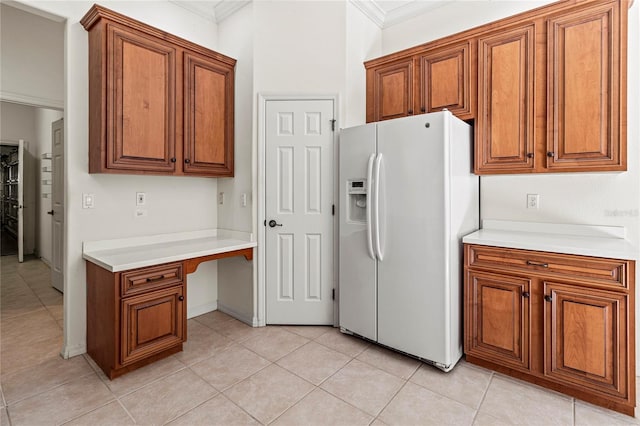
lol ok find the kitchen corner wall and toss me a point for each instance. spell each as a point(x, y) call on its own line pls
point(174, 204)
point(284, 48)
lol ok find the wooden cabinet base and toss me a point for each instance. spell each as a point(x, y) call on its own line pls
point(622, 406)
point(113, 373)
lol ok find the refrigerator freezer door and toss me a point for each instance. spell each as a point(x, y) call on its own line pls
point(357, 292)
point(413, 277)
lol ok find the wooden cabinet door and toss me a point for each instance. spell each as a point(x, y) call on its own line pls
point(445, 80)
point(208, 116)
point(505, 126)
point(497, 318)
point(585, 337)
point(586, 94)
point(390, 90)
point(151, 323)
point(140, 125)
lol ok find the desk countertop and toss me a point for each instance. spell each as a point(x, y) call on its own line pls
point(138, 252)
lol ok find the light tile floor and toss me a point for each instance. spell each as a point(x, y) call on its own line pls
point(231, 374)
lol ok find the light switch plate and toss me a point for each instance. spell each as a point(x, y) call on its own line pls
point(88, 200)
point(141, 198)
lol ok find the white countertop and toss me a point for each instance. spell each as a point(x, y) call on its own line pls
point(138, 252)
point(586, 240)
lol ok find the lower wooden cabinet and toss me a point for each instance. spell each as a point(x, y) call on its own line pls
point(498, 307)
point(135, 317)
point(544, 318)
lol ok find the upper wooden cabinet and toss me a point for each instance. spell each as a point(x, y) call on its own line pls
point(390, 88)
point(505, 127)
point(547, 88)
point(444, 80)
point(158, 104)
point(586, 63)
point(427, 81)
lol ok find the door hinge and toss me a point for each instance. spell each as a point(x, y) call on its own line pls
point(333, 125)
point(333, 209)
point(333, 294)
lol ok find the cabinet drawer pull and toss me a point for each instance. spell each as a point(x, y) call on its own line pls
point(530, 155)
point(181, 298)
point(173, 159)
point(525, 294)
point(550, 154)
point(544, 265)
point(548, 298)
point(151, 279)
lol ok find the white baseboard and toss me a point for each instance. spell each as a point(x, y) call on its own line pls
point(74, 350)
point(202, 309)
point(247, 319)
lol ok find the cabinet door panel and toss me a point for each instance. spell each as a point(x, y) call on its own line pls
point(584, 98)
point(505, 125)
point(151, 323)
point(392, 90)
point(497, 318)
point(585, 337)
point(141, 126)
point(208, 121)
point(445, 80)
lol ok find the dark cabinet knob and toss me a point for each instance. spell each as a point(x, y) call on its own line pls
point(548, 298)
point(525, 294)
point(410, 111)
point(530, 155)
point(173, 159)
point(186, 160)
point(423, 109)
point(550, 154)
point(181, 298)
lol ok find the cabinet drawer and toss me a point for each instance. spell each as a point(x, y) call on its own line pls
point(141, 280)
point(607, 272)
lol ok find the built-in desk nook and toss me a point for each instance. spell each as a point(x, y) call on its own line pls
point(136, 293)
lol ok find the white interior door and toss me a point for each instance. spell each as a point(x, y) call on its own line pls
point(299, 179)
point(20, 200)
point(57, 203)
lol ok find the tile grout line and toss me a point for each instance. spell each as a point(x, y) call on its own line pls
point(484, 395)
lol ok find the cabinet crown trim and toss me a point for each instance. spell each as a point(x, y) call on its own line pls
point(97, 12)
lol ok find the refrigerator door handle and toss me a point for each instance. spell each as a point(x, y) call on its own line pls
point(376, 208)
point(370, 206)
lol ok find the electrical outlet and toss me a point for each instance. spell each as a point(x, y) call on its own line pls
point(141, 198)
point(533, 201)
point(221, 198)
point(243, 200)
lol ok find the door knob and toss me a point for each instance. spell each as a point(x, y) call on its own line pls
point(50, 212)
point(273, 223)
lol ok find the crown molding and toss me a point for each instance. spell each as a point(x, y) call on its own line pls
point(215, 10)
point(226, 8)
point(411, 8)
point(371, 10)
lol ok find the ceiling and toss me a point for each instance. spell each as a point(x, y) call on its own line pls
point(383, 13)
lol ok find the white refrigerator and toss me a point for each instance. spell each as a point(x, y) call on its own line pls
point(407, 197)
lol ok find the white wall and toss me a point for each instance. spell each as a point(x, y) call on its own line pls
point(43, 119)
point(364, 41)
point(18, 122)
point(32, 66)
point(235, 275)
point(174, 204)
